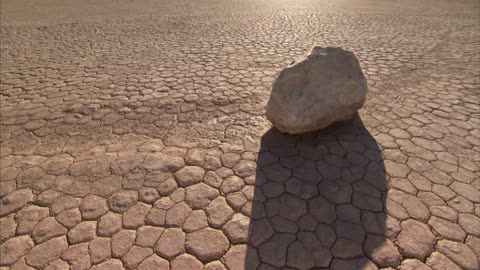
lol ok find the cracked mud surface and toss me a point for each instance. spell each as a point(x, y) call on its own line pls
point(133, 136)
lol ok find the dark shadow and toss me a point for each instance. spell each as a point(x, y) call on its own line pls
point(319, 200)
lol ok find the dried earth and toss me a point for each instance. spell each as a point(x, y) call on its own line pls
point(133, 136)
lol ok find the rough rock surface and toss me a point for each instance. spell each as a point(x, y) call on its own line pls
point(325, 87)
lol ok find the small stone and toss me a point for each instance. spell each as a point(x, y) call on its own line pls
point(122, 200)
point(216, 265)
point(415, 240)
point(218, 212)
point(334, 95)
point(213, 179)
point(199, 196)
point(154, 263)
point(382, 251)
point(459, 253)
point(122, 242)
point(147, 236)
point(83, 232)
point(196, 221)
point(135, 256)
point(77, 256)
point(107, 186)
point(466, 190)
point(177, 215)
point(207, 244)
point(109, 224)
point(28, 218)
point(470, 223)
point(186, 261)
point(15, 200)
point(47, 252)
point(413, 264)
point(163, 162)
point(178, 195)
point(148, 195)
point(167, 187)
point(47, 229)
point(232, 184)
point(171, 243)
point(237, 229)
point(446, 229)
point(134, 217)
point(189, 175)
point(439, 261)
point(230, 159)
point(112, 264)
point(156, 217)
point(238, 257)
point(14, 248)
point(57, 265)
point(64, 202)
point(99, 250)
point(7, 228)
point(69, 218)
point(236, 200)
point(93, 207)
point(245, 168)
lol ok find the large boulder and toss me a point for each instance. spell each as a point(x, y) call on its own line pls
point(325, 87)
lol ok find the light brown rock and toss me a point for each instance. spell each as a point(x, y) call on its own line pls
point(82, 232)
point(69, 218)
point(199, 196)
point(459, 253)
point(109, 224)
point(122, 200)
point(28, 218)
point(7, 228)
point(15, 200)
point(196, 221)
point(238, 257)
point(186, 261)
point(47, 252)
point(135, 256)
point(415, 240)
point(325, 87)
point(237, 229)
point(93, 207)
point(171, 243)
point(14, 248)
point(207, 244)
point(147, 236)
point(112, 264)
point(99, 250)
point(135, 216)
point(189, 175)
point(177, 215)
point(77, 256)
point(382, 251)
point(47, 229)
point(218, 212)
point(154, 263)
point(122, 242)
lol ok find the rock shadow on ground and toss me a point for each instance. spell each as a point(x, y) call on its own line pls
point(319, 202)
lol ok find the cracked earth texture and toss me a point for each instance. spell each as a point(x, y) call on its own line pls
point(133, 136)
